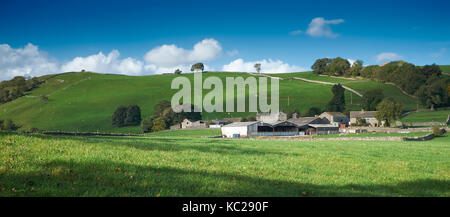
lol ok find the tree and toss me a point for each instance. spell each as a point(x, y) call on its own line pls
point(133, 116)
point(159, 108)
point(258, 67)
point(118, 118)
point(147, 124)
point(370, 71)
point(433, 93)
point(197, 67)
point(158, 124)
point(356, 68)
point(178, 71)
point(320, 65)
point(371, 98)
point(338, 66)
point(313, 111)
point(429, 70)
point(388, 111)
point(337, 103)
point(9, 125)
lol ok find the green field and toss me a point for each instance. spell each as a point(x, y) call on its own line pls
point(426, 116)
point(187, 163)
point(84, 101)
point(445, 68)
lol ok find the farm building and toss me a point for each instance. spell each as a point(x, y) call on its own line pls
point(240, 129)
point(291, 127)
point(190, 124)
point(218, 123)
point(271, 117)
point(280, 128)
point(336, 118)
point(321, 129)
point(367, 116)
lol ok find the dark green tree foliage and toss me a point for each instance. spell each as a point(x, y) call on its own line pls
point(133, 116)
point(429, 70)
point(160, 107)
point(320, 66)
point(338, 66)
point(388, 111)
point(147, 124)
point(313, 111)
point(337, 103)
point(16, 87)
point(371, 99)
point(197, 67)
point(434, 92)
point(356, 68)
point(118, 118)
point(370, 71)
point(177, 71)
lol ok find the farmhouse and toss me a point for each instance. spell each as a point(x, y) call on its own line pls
point(271, 117)
point(240, 129)
point(367, 116)
point(190, 124)
point(335, 118)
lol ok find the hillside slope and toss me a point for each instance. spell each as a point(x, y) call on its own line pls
point(84, 101)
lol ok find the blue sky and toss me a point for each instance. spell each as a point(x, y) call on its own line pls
point(293, 33)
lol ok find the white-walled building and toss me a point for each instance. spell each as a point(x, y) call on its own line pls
point(240, 129)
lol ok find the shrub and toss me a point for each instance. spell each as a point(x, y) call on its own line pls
point(251, 118)
point(158, 124)
point(147, 124)
point(118, 118)
point(133, 116)
point(9, 125)
point(437, 131)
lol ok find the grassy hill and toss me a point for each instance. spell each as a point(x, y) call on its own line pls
point(84, 101)
point(426, 116)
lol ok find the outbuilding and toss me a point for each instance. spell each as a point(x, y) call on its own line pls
point(240, 129)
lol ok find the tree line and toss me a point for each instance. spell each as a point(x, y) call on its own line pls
point(16, 87)
point(426, 83)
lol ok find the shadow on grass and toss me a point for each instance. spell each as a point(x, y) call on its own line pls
point(65, 178)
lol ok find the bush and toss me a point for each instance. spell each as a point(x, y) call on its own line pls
point(251, 118)
point(147, 124)
point(158, 124)
point(437, 131)
point(8, 125)
point(118, 118)
point(133, 116)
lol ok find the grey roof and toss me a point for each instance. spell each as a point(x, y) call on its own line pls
point(362, 114)
point(337, 114)
point(303, 121)
point(323, 125)
point(241, 124)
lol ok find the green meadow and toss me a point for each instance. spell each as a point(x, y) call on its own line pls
point(426, 116)
point(188, 163)
point(84, 101)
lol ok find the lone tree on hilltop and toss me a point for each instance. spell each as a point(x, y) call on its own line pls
point(197, 67)
point(258, 67)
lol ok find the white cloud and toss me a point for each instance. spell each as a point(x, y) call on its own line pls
point(296, 32)
point(388, 56)
point(105, 64)
point(26, 61)
point(233, 53)
point(171, 55)
point(319, 27)
point(267, 66)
